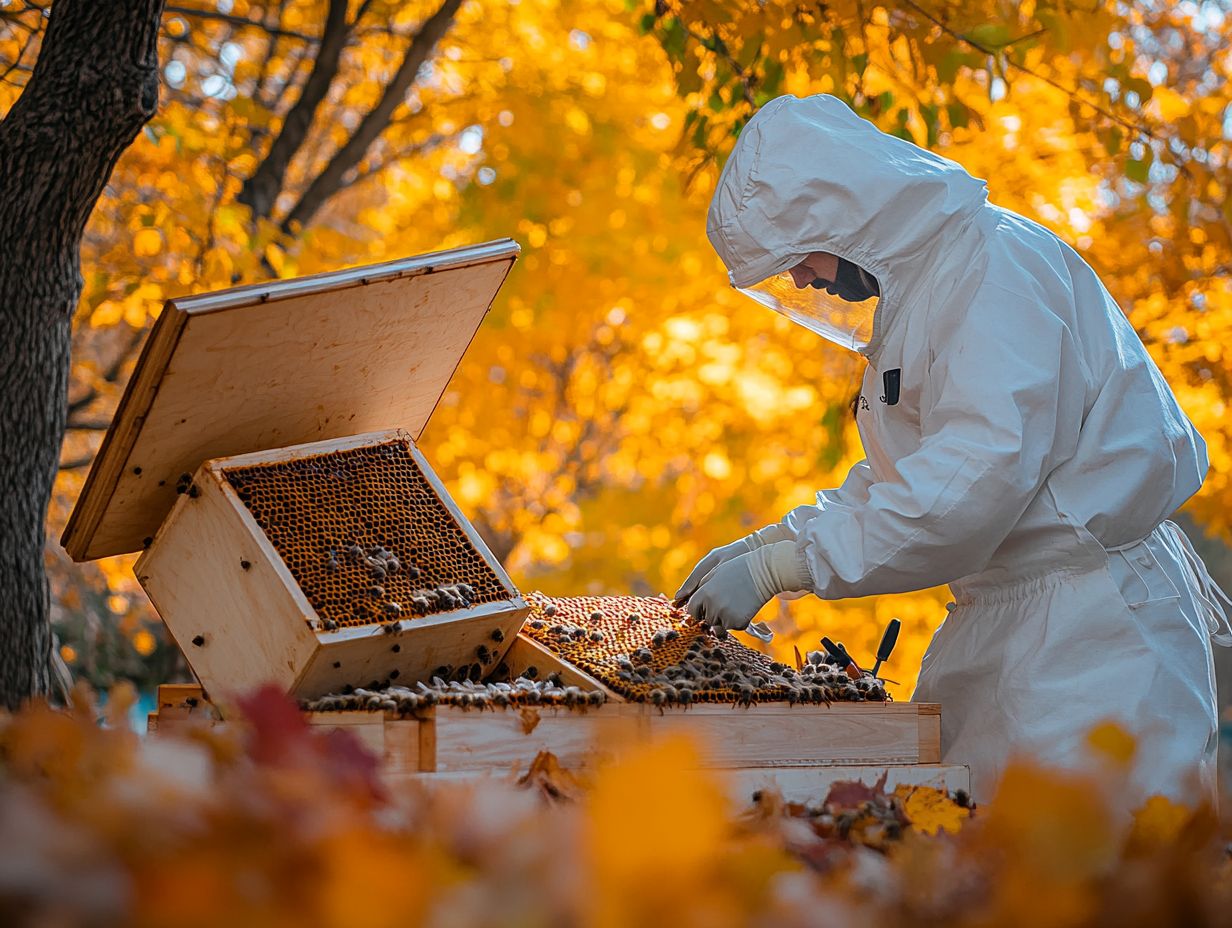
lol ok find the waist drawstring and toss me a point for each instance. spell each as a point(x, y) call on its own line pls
point(1207, 591)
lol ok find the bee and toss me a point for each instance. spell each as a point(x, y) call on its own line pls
point(596, 636)
point(530, 672)
point(497, 635)
point(392, 609)
point(642, 655)
point(330, 625)
point(596, 616)
point(550, 609)
point(634, 618)
point(658, 697)
point(536, 624)
point(719, 632)
point(355, 553)
point(333, 565)
point(596, 697)
point(376, 591)
point(747, 695)
point(392, 628)
point(816, 658)
point(421, 604)
point(483, 654)
point(684, 695)
point(671, 634)
point(392, 564)
point(660, 638)
point(393, 674)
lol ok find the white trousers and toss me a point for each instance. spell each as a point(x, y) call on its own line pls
point(1029, 667)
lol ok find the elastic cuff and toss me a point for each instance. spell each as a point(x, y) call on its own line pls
point(787, 567)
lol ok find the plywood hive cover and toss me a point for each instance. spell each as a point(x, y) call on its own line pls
point(279, 364)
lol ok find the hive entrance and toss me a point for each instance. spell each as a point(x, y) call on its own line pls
point(366, 536)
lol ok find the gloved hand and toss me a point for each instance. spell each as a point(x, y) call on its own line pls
point(751, 542)
point(734, 591)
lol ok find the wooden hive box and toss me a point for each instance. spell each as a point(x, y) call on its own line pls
point(264, 457)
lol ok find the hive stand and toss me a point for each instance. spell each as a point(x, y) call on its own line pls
point(799, 751)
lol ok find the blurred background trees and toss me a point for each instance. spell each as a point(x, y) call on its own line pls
point(623, 410)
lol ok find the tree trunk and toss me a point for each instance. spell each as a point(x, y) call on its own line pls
point(94, 86)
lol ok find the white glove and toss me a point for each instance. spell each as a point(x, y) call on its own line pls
point(772, 533)
point(734, 591)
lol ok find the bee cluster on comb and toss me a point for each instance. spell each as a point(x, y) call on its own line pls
point(406, 700)
point(366, 536)
point(648, 650)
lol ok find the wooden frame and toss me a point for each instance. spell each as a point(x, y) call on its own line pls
point(771, 735)
point(243, 625)
point(279, 364)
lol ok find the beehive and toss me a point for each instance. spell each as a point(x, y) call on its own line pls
point(263, 457)
point(327, 565)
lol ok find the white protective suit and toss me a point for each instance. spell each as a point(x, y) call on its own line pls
point(1031, 460)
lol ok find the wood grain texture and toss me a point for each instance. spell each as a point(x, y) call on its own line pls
point(250, 623)
point(276, 365)
point(768, 735)
point(526, 653)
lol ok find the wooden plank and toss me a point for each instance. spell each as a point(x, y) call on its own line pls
point(401, 746)
point(802, 784)
point(368, 727)
point(526, 652)
point(795, 784)
point(472, 740)
point(238, 627)
point(427, 742)
point(775, 734)
point(768, 735)
point(276, 365)
point(930, 732)
point(178, 694)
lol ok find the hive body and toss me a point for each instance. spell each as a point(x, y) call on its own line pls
point(324, 566)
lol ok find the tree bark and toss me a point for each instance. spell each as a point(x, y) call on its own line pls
point(94, 85)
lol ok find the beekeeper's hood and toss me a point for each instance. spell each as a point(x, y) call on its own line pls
point(810, 175)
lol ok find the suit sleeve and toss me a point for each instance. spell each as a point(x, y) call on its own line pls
point(853, 493)
point(1001, 408)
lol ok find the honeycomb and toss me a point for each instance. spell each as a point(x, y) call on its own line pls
point(648, 650)
point(404, 700)
point(366, 536)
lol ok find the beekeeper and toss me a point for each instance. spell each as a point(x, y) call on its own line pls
point(1021, 446)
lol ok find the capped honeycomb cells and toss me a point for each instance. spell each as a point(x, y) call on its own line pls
point(366, 536)
point(647, 650)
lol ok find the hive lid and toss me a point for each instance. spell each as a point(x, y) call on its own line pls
point(276, 364)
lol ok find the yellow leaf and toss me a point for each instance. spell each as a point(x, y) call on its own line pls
point(147, 242)
point(931, 810)
point(108, 312)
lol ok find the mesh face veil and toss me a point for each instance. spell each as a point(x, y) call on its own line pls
point(849, 324)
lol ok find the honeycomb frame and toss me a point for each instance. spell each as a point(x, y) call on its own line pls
point(240, 614)
point(646, 649)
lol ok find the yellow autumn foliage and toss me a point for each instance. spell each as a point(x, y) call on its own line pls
point(622, 410)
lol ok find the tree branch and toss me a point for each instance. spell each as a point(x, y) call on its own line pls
point(261, 190)
point(242, 22)
point(348, 157)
